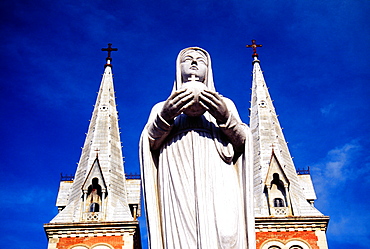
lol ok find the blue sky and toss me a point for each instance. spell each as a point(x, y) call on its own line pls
point(315, 58)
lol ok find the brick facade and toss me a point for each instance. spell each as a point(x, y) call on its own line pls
point(308, 237)
point(115, 242)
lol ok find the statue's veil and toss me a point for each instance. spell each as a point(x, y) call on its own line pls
point(149, 162)
point(208, 81)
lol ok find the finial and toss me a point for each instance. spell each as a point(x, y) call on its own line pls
point(254, 46)
point(109, 49)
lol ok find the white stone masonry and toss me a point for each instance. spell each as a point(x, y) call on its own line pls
point(268, 136)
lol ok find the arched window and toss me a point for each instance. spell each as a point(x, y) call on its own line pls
point(273, 244)
point(95, 187)
point(278, 202)
point(274, 247)
point(94, 207)
point(297, 244)
point(94, 195)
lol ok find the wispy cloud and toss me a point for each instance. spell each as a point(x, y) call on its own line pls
point(20, 194)
point(327, 109)
point(332, 174)
point(338, 228)
point(338, 166)
point(336, 180)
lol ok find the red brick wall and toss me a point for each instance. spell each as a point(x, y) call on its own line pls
point(115, 241)
point(308, 236)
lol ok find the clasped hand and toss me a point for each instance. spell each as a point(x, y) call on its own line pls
point(182, 99)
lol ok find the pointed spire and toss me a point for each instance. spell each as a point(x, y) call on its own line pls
point(266, 131)
point(103, 146)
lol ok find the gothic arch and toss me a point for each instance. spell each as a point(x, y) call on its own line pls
point(277, 189)
point(297, 244)
point(95, 186)
point(277, 192)
point(94, 196)
point(273, 244)
point(94, 207)
point(290, 244)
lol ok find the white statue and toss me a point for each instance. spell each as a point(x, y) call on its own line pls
point(196, 161)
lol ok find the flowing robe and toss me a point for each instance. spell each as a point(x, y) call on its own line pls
point(198, 180)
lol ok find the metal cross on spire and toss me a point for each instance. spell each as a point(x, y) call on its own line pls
point(254, 46)
point(109, 49)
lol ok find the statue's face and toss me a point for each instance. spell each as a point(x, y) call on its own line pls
point(193, 62)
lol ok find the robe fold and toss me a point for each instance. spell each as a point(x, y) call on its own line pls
point(196, 182)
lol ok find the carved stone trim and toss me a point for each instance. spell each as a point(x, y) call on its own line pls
point(66, 230)
point(289, 224)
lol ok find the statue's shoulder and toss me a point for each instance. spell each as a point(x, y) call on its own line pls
point(228, 102)
point(155, 110)
point(157, 107)
point(232, 107)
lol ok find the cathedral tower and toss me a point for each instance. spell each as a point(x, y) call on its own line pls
point(98, 207)
point(285, 216)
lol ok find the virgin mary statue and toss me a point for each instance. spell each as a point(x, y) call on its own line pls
point(196, 163)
